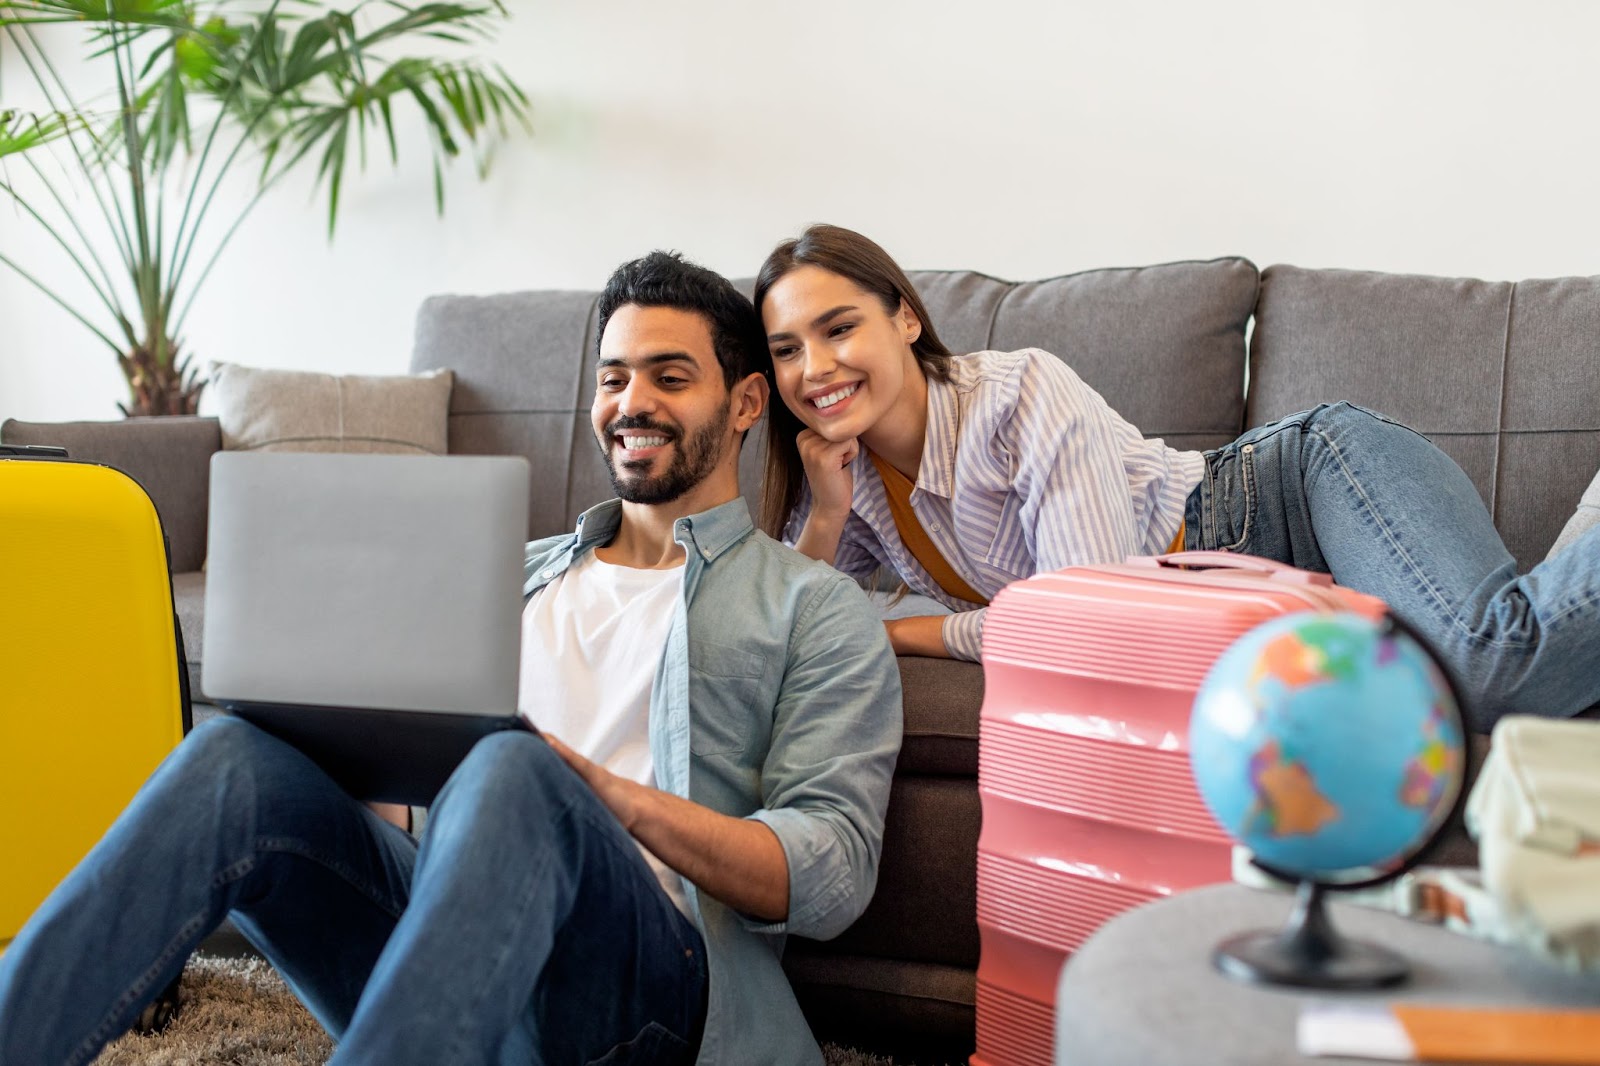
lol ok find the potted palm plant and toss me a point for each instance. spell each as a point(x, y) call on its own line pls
point(198, 90)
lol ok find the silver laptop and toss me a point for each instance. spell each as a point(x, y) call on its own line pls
point(366, 608)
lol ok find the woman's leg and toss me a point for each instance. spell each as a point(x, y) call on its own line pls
point(232, 820)
point(1342, 490)
point(536, 932)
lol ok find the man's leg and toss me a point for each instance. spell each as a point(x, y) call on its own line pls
point(1342, 490)
point(232, 819)
point(536, 932)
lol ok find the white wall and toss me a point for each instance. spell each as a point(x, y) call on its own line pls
point(1018, 137)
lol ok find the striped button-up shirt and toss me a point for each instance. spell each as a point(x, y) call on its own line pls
point(1024, 469)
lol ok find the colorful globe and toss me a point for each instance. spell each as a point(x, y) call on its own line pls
point(1328, 744)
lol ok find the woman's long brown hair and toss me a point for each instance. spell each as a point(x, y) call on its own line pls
point(848, 254)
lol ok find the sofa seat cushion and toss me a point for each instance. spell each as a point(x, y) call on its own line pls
point(887, 1006)
point(942, 700)
point(925, 905)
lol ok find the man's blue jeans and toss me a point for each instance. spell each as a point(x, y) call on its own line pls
point(1342, 490)
point(526, 928)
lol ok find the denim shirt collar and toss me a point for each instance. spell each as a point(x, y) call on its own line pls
point(707, 535)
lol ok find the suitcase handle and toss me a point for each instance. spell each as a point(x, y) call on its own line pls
point(1252, 564)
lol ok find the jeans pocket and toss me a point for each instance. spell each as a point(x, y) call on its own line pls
point(1232, 480)
point(654, 1045)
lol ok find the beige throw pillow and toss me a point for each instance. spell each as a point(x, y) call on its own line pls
point(304, 411)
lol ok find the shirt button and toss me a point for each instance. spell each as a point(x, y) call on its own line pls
point(548, 574)
point(934, 526)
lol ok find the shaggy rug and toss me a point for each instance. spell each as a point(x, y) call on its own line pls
point(239, 1012)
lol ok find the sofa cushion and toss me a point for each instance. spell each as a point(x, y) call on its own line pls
point(169, 456)
point(306, 411)
point(523, 364)
point(942, 700)
point(1505, 377)
point(925, 905)
point(1165, 345)
point(848, 998)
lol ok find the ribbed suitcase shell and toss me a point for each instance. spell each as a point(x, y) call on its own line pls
point(91, 694)
point(1089, 807)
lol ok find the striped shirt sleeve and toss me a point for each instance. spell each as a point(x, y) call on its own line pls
point(853, 556)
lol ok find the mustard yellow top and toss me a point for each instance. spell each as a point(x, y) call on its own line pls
point(898, 488)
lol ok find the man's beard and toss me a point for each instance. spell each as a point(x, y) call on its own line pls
point(692, 459)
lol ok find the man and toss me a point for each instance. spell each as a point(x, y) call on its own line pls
point(733, 716)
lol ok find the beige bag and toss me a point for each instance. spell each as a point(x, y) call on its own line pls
point(1535, 812)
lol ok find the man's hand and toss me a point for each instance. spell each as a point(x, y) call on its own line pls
point(736, 860)
point(923, 635)
point(618, 793)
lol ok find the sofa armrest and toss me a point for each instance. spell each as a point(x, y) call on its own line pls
point(169, 456)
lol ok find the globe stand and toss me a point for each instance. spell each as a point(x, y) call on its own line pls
point(1309, 953)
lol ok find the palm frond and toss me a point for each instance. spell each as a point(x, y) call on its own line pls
point(287, 80)
point(23, 131)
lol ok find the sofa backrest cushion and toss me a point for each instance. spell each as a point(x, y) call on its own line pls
point(1505, 377)
point(1164, 344)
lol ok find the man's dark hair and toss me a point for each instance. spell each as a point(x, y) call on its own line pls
point(666, 279)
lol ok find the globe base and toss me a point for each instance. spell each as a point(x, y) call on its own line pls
point(1309, 953)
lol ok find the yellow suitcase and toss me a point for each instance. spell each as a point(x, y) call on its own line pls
point(93, 691)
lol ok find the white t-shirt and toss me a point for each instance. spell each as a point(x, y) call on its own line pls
point(591, 642)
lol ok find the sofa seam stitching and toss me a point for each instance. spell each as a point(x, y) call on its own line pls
point(994, 315)
point(1500, 412)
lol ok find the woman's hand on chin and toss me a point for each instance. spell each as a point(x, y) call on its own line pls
point(923, 635)
point(828, 472)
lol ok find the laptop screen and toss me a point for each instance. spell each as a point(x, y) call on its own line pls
point(367, 581)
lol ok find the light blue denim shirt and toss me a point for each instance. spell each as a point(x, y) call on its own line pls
point(777, 698)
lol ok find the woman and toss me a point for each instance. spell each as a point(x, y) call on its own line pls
point(965, 473)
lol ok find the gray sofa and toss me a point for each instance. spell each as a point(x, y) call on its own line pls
point(1503, 376)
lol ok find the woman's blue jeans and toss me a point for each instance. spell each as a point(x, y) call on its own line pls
point(1342, 490)
point(526, 928)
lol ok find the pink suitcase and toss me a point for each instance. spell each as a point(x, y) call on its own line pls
point(1083, 760)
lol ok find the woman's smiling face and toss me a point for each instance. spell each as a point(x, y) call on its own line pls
point(840, 361)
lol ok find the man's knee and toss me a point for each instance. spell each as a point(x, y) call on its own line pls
point(1344, 420)
point(222, 739)
point(512, 770)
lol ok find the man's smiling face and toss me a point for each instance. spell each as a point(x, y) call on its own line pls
point(661, 405)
